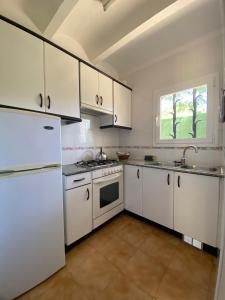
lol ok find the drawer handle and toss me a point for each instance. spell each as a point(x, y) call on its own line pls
point(97, 99)
point(78, 180)
point(88, 194)
point(101, 100)
point(178, 181)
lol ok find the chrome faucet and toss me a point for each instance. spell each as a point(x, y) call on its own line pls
point(183, 158)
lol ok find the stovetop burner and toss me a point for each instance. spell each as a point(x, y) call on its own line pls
point(95, 163)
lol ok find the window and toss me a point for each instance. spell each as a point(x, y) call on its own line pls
point(183, 114)
point(186, 112)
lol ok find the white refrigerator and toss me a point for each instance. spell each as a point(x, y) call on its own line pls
point(31, 201)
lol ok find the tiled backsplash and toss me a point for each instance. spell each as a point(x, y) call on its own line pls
point(205, 156)
point(83, 140)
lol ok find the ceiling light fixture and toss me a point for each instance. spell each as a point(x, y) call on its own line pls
point(106, 4)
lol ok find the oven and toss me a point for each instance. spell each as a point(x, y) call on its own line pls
point(107, 193)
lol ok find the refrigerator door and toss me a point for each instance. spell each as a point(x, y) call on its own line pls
point(28, 140)
point(31, 229)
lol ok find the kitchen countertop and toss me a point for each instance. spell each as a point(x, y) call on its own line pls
point(72, 169)
point(199, 170)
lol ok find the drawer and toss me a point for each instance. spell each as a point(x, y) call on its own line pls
point(74, 181)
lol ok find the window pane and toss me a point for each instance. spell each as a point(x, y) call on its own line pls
point(183, 115)
point(166, 119)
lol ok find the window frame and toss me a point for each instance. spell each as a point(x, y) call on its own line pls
point(212, 81)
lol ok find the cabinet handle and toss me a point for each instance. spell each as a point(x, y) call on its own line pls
point(77, 180)
point(101, 100)
point(88, 194)
point(97, 99)
point(178, 181)
point(41, 97)
point(138, 173)
point(115, 118)
point(168, 179)
point(49, 102)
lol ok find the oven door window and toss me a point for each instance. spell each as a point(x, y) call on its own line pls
point(109, 194)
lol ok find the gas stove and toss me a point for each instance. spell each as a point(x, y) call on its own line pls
point(90, 166)
point(95, 163)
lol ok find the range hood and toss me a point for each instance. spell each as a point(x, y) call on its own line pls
point(94, 111)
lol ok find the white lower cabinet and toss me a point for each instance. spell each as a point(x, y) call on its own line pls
point(196, 203)
point(78, 212)
point(187, 203)
point(133, 189)
point(158, 196)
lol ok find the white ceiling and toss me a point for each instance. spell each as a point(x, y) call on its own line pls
point(96, 29)
point(198, 21)
point(128, 35)
point(35, 14)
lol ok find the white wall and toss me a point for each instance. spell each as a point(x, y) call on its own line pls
point(82, 140)
point(194, 62)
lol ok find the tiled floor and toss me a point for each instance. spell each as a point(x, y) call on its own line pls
point(129, 259)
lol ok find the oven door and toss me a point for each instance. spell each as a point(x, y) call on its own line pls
point(107, 193)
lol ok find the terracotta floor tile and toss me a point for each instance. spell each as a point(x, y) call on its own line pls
point(193, 264)
point(135, 234)
point(123, 289)
point(129, 259)
point(156, 247)
point(98, 239)
point(60, 286)
point(176, 287)
point(79, 254)
point(167, 237)
point(145, 271)
point(118, 252)
point(94, 274)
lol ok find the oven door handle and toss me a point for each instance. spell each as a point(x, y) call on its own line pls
point(109, 178)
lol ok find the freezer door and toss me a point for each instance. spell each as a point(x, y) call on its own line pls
point(31, 230)
point(28, 139)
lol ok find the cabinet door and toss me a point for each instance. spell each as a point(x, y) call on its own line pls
point(158, 196)
point(196, 200)
point(89, 86)
point(21, 71)
point(78, 213)
point(105, 93)
point(122, 105)
point(61, 83)
point(133, 189)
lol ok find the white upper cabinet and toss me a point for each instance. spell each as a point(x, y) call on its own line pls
point(158, 196)
point(96, 90)
point(122, 105)
point(105, 92)
point(89, 86)
point(196, 202)
point(61, 83)
point(21, 69)
point(133, 189)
